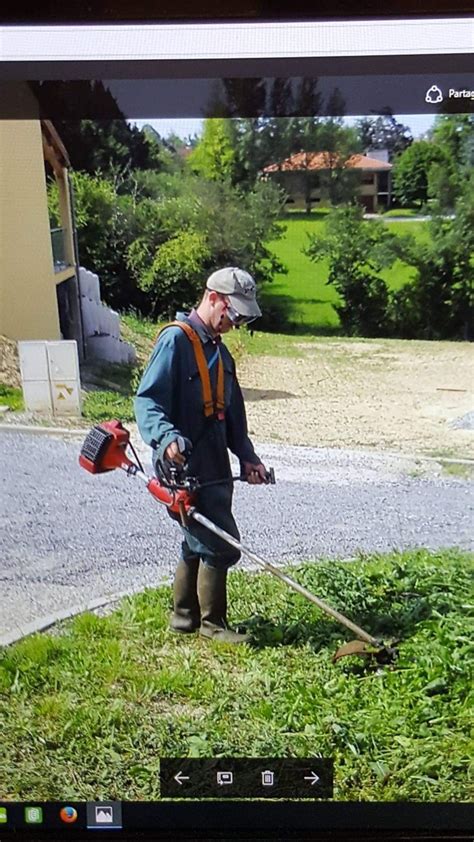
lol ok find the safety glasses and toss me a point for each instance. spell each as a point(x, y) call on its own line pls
point(235, 317)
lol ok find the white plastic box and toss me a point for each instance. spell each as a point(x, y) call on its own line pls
point(50, 376)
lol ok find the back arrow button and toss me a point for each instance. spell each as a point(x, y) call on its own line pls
point(179, 778)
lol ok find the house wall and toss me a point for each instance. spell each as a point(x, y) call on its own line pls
point(294, 184)
point(28, 303)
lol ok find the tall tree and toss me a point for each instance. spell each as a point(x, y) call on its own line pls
point(439, 302)
point(108, 146)
point(214, 156)
point(384, 132)
point(453, 134)
point(356, 253)
point(411, 171)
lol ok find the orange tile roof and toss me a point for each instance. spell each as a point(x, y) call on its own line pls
point(325, 161)
point(363, 162)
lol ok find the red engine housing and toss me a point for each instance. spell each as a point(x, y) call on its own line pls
point(177, 502)
point(104, 448)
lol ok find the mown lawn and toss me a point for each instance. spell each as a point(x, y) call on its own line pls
point(307, 298)
point(87, 712)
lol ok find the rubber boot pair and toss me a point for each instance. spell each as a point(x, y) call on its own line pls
point(200, 602)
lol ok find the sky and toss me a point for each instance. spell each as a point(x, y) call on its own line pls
point(418, 123)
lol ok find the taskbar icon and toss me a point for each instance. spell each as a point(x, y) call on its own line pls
point(104, 815)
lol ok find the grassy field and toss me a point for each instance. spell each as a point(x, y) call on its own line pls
point(303, 291)
point(86, 713)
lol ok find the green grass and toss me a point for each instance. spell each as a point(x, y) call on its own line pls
point(456, 469)
point(303, 293)
point(11, 397)
point(104, 404)
point(396, 212)
point(145, 328)
point(86, 714)
point(400, 273)
point(307, 300)
point(242, 342)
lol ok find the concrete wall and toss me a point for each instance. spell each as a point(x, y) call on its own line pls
point(28, 305)
point(101, 324)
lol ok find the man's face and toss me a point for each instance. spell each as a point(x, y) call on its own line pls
point(219, 319)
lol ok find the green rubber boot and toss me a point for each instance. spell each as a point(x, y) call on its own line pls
point(212, 594)
point(186, 617)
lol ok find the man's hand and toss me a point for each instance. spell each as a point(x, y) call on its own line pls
point(255, 474)
point(173, 454)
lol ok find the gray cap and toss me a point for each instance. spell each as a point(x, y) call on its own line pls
point(239, 287)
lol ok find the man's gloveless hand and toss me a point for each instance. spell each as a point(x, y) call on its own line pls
point(255, 474)
point(173, 454)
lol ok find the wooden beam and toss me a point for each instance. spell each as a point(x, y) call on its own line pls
point(54, 141)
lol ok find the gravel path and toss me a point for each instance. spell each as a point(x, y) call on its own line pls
point(67, 537)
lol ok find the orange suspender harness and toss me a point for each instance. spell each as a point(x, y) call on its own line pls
point(210, 407)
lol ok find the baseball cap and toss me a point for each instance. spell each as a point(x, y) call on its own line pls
point(239, 287)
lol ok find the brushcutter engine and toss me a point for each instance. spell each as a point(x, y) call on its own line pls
point(104, 450)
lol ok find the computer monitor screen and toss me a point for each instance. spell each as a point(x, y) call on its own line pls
point(237, 426)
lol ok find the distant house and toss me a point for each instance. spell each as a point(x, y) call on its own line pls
point(304, 177)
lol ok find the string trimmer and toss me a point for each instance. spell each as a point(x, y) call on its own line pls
point(105, 449)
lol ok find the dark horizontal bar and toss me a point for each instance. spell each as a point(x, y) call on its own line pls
point(451, 820)
point(131, 11)
point(239, 67)
point(231, 97)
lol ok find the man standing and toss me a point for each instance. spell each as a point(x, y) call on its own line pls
point(190, 390)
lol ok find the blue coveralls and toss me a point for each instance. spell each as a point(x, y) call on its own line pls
point(169, 403)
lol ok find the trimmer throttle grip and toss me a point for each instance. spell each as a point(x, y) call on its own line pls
point(270, 476)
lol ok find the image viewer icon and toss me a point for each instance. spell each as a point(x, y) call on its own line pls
point(104, 815)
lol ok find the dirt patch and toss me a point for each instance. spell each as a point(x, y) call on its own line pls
point(402, 396)
point(392, 394)
point(9, 363)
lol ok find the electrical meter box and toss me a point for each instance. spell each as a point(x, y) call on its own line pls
point(50, 376)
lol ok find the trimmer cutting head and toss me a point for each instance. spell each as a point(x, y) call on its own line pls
point(381, 653)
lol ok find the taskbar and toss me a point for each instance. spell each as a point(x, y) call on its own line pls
point(237, 818)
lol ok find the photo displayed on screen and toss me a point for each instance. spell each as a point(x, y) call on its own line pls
point(307, 418)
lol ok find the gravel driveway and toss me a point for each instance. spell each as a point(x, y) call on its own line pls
point(67, 538)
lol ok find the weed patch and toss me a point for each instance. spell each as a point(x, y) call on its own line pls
point(12, 397)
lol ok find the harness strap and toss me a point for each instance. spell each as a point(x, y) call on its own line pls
point(209, 406)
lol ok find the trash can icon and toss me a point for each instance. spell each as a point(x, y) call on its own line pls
point(268, 778)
